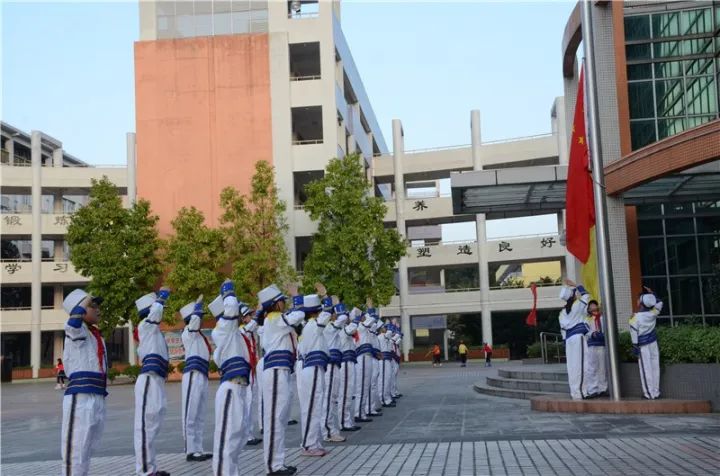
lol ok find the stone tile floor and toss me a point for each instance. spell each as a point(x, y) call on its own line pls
point(441, 426)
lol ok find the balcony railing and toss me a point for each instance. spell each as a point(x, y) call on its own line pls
point(305, 142)
point(303, 15)
point(305, 78)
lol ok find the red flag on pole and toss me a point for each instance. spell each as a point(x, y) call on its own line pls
point(531, 319)
point(580, 204)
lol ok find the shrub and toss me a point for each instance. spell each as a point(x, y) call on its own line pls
point(180, 366)
point(534, 351)
point(132, 371)
point(682, 344)
point(112, 374)
point(213, 366)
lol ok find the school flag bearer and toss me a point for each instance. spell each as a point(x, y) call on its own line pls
point(645, 346)
point(347, 368)
point(574, 328)
point(233, 359)
point(85, 359)
point(313, 352)
point(194, 381)
point(280, 344)
point(330, 408)
point(150, 401)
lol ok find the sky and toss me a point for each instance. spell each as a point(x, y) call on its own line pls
point(67, 69)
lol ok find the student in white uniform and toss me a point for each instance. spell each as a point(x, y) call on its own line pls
point(249, 333)
point(364, 368)
point(330, 408)
point(397, 340)
point(573, 327)
point(645, 346)
point(194, 381)
point(85, 360)
point(386, 347)
point(346, 394)
point(596, 368)
point(376, 398)
point(279, 342)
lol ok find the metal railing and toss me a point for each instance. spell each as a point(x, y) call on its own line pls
point(557, 341)
point(517, 139)
point(520, 237)
point(305, 78)
point(309, 141)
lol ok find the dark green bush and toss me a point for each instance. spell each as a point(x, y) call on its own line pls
point(682, 344)
point(533, 350)
point(213, 366)
point(112, 373)
point(132, 371)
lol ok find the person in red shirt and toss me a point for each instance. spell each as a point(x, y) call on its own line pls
point(488, 354)
point(435, 351)
point(60, 375)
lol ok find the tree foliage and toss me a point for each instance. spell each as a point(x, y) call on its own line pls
point(117, 248)
point(254, 226)
point(352, 253)
point(194, 258)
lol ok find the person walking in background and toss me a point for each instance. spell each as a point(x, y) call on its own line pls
point(60, 375)
point(488, 354)
point(435, 352)
point(463, 351)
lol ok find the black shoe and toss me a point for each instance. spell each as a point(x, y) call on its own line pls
point(198, 457)
point(283, 472)
point(363, 420)
point(254, 441)
point(292, 422)
point(389, 405)
point(352, 428)
point(161, 473)
point(376, 414)
point(291, 468)
point(398, 395)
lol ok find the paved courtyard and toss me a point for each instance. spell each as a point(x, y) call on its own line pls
point(441, 426)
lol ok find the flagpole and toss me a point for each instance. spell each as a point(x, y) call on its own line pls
point(601, 224)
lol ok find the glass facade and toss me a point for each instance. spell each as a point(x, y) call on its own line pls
point(191, 18)
point(673, 71)
point(680, 257)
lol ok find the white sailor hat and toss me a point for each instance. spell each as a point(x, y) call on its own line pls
point(244, 309)
point(191, 308)
point(216, 306)
point(145, 302)
point(648, 300)
point(74, 299)
point(311, 303)
point(566, 293)
point(270, 295)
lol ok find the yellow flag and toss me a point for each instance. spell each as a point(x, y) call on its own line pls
point(589, 271)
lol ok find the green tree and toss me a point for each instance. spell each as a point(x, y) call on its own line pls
point(254, 226)
point(117, 248)
point(194, 258)
point(352, 253)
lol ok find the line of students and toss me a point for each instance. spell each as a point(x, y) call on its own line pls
point(581, 325)
point(259, 354)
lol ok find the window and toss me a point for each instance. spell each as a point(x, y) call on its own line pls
point(304, 61)
point(462, 278)
point(303, 8)
point(301, 180)
point(18, 297)
point(424, 280)
point(303, 245)
point(307, 125)
point(14, 203)
point(16, 345)
point(21, 250)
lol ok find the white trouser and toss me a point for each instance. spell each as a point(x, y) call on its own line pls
point(82, 426)
point(230, 428)
point(252, 412)
point(260, 406)
point(194, 405)
point(363, 385)
point(346, 394)
point(595, 369)
point(276, 403)
point(376, 386)
point(386, 386)
point(150, 406)
point(649, 364)
point(311, 385)
point(576, 355)
point(330, 408)
point(394, 381)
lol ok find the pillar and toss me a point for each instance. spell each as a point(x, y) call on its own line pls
point(482, 251)
point(398, 157)
point(57, 157)
point(58, 343)
point(10, 147)
point(36, 237)
point(131, 197)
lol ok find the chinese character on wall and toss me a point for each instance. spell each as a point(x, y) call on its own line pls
point(464, 250)
point(547, 242)
point(419, 205)
point(62, 220)
point(61, 267)
point(12, 268)
point(12, 220)
point(424, 252)
point(504, 246)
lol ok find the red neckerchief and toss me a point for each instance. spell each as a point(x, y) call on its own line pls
point(251, 351)
point(207, 342)
point(100, 347)
point(598, 325)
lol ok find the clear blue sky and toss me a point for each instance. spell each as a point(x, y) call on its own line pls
point(67, 69)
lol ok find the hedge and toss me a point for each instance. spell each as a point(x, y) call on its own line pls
point(689, 344)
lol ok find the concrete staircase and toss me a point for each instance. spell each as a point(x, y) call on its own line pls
point(526, 381)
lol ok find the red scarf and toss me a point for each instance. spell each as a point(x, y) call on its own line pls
point(250, 343)
point(100, 347)
point(598, 325)
point(207, 342)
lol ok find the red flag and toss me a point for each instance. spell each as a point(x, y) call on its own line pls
point(580, 204)
point(531, 319)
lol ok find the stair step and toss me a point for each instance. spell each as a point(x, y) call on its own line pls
point(506, 392)
point(529, 385)
point(550, 375)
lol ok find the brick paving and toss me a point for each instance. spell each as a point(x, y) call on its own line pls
point(608, 456)
point(441, 426)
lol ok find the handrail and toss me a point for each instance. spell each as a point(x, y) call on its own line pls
point(308, 141)
point(433, 149)
point(516, 139)
point(516, 237)
point(543, 346)
point(441, 243)
point(309, 77)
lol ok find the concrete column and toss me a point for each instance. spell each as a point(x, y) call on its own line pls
point(58, 344)
point(445, 344)
point(36, 283)
point(484, 271)
point(57, 157)
point(570, 264)
point(10, 147)
point(132, 196)
point(398, 157)
point(560, 130)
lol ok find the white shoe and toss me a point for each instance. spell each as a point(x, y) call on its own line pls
point(336, 439)
point(58, 386)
